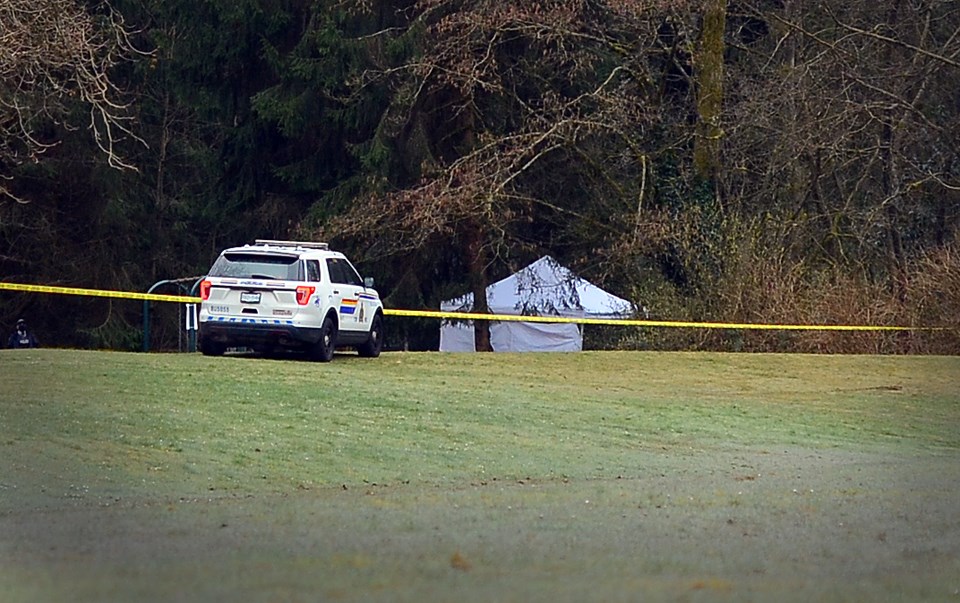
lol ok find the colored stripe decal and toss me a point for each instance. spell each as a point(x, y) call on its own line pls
point(348, 306)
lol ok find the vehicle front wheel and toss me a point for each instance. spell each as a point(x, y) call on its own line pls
point(323, 349)
point(374, 343)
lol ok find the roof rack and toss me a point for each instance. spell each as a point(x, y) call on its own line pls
point(304, 244)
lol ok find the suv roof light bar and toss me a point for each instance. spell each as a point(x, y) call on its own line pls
point(304, 244)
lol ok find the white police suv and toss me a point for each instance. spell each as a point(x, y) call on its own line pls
point(288, 295)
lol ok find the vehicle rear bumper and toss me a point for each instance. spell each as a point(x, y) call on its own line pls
point(250, 332)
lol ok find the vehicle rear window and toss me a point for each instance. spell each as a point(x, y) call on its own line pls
point(257, 265)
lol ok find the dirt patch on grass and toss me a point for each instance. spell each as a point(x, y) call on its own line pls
point(737, 524)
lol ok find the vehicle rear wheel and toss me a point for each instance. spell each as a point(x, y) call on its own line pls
point(323, 349)
point(209, 347)
point(374, 343)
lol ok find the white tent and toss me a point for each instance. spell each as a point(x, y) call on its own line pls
point(544, 288)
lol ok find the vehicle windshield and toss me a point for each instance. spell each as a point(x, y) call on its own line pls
point(257, 265)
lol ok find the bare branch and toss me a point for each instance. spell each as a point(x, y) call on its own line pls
point(53, 54)
point(897, 42)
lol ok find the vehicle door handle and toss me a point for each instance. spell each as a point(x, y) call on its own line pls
point(335, 292)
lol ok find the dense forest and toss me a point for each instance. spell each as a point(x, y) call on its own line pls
point(750, 161)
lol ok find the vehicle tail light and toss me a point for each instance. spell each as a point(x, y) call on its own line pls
point(303, 294)
point(205, 287)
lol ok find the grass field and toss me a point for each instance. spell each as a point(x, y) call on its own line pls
point(422, 476)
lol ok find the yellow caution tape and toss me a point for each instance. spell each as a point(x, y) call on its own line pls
point(100, 293)
point(649, 323)
point(492, 317)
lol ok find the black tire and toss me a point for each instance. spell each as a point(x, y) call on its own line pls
point(374, 343)
point(323, 349)
point(209, 347)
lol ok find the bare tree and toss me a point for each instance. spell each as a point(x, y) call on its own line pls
point(55, 54)
point(844, 123)
point(523, 112)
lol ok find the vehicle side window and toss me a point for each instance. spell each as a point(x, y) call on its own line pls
point(313, 270)
point(353, 277)
point(341, 272)
point(333, 269)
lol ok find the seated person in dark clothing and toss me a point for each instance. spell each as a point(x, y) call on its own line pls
point(22, 337)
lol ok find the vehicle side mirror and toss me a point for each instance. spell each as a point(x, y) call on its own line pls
point(368, 282)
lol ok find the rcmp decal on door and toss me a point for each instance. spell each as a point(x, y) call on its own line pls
point(356, 307)
point(365, 300)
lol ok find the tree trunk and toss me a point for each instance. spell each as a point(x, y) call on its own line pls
point(475, 251)
point(709, 79)
point(477, 269)
point(891, 175)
